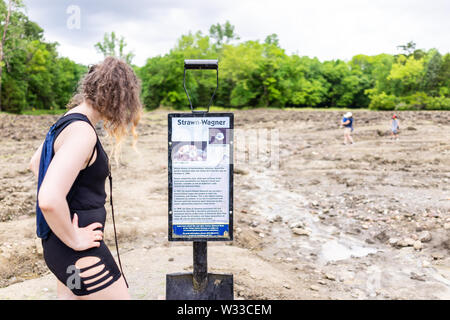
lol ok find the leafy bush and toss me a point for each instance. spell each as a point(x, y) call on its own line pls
point(417, 101)
point(383, 101)
point(438, 103)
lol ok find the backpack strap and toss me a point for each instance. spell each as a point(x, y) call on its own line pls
point(114, 223)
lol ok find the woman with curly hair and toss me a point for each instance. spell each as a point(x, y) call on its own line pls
point(72, 194)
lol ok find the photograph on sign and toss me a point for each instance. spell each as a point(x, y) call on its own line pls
point(189, 151)
point(200, 177)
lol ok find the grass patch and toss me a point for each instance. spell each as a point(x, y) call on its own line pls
point(43, 112)
point(232, 109)
point(327, 109)
point(211, 109)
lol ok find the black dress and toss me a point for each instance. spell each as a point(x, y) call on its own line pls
point(87, 199)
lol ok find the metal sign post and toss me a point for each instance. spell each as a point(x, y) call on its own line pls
point(200, 193)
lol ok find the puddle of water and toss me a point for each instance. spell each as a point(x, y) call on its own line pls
point(334, 251)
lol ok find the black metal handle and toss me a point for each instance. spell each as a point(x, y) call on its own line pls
point(200, 263)
point(201, 64)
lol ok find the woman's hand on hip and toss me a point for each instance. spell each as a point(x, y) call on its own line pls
point(88, 237)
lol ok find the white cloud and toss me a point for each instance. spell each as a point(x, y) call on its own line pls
point(324, 28)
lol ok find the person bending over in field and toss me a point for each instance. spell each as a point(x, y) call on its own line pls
point(347, 123)
point(72, 194)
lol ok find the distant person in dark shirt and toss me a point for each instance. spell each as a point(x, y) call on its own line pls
point(347, 123)
point(395, 127)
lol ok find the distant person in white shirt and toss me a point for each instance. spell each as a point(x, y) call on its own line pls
point(395, 127)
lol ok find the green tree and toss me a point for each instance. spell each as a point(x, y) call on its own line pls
point(7, 32)
point(344, 85)
point(431, 80)
point(272, 40)
point(408, 48)
point(115, 47)
point(34, 76)
point(406, 75)
point(444, 76)
point(223, 33)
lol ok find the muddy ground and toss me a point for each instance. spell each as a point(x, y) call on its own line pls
point(314, 219)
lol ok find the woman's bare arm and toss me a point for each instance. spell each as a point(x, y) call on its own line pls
point(73, 148)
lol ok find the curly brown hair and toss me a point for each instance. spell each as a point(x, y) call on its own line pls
point(113, 89)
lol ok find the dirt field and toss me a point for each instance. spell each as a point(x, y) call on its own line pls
point(325, 221)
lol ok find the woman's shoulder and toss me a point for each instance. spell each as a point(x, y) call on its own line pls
point(78, 134)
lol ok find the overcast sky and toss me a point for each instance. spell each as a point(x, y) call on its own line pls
point(327, 29)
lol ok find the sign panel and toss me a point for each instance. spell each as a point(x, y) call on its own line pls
point(201, 176)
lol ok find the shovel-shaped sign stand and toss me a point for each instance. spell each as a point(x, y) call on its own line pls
point(200, 65)
point(200, 192)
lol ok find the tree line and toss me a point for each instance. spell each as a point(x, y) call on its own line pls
point(252, 73)
point(33, 75)
point(262, 74)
